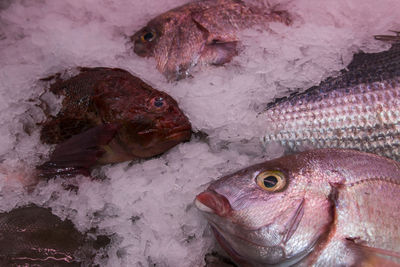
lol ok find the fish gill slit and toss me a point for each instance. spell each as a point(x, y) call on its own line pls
point(322, 242)
point(201, 27)
point(295, 221)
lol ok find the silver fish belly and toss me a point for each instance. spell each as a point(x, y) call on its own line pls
point(357, 110)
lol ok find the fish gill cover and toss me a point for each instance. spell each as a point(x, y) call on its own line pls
point(147, 206)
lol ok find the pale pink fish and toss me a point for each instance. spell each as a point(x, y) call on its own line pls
point(201, 32)
point(328, 207)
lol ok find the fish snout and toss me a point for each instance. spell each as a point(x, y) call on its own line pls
point(212, 202)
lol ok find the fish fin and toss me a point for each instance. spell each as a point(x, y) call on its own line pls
point(389, 38)
point(219, 53)
point(219, 49)
point(59, 129)
point(371, 257)
point(205, 21)
point(78, 154)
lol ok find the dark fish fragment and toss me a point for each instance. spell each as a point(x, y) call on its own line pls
point(108, 116)
point(359, 109)
point(33, 236)
point(214, 259)
point(200, 33)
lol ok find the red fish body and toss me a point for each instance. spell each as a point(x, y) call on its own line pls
point(327, 207)
point(109, 116)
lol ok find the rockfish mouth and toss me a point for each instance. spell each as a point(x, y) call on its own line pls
point(180, 133)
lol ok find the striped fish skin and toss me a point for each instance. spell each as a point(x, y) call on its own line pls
point(359, 109)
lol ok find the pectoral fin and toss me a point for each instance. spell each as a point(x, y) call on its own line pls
point(219, 53)
point(78, 154)
point(374, 257)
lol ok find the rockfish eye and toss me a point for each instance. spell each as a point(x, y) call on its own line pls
point(271, 181)
point(147, 37)
point(158, 104)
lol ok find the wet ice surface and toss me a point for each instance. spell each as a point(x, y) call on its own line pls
point(147, 206)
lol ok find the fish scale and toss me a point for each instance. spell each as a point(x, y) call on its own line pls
point(356, 110)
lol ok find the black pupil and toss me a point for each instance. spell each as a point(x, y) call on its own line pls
point(270, 181)
point(148, 36)
point(158, 102)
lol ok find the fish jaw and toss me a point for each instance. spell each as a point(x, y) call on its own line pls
point(145, 144)
point(248, 247)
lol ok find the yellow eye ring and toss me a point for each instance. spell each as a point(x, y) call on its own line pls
point(271, 181)
point(148, 36)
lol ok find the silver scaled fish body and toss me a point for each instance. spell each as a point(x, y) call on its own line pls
point(359, 109)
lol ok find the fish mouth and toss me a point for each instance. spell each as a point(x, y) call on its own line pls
point(211, 202)
point(179, 136)
point(182, 133)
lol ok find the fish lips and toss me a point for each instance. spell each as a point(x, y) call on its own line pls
point(212, 202)
point(163, 140)
point(180, 134)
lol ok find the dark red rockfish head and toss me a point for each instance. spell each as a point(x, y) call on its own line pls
point(150, 121)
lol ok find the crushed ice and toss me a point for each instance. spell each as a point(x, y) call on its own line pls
point(147, 206)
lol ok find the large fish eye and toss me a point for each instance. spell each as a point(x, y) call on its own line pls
point(148, 36)
point(271, 181)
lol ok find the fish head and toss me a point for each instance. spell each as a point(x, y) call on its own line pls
point(153, 124)
point(148, 39)
point(174, 39)
point(149, 121)
point(270, 213)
